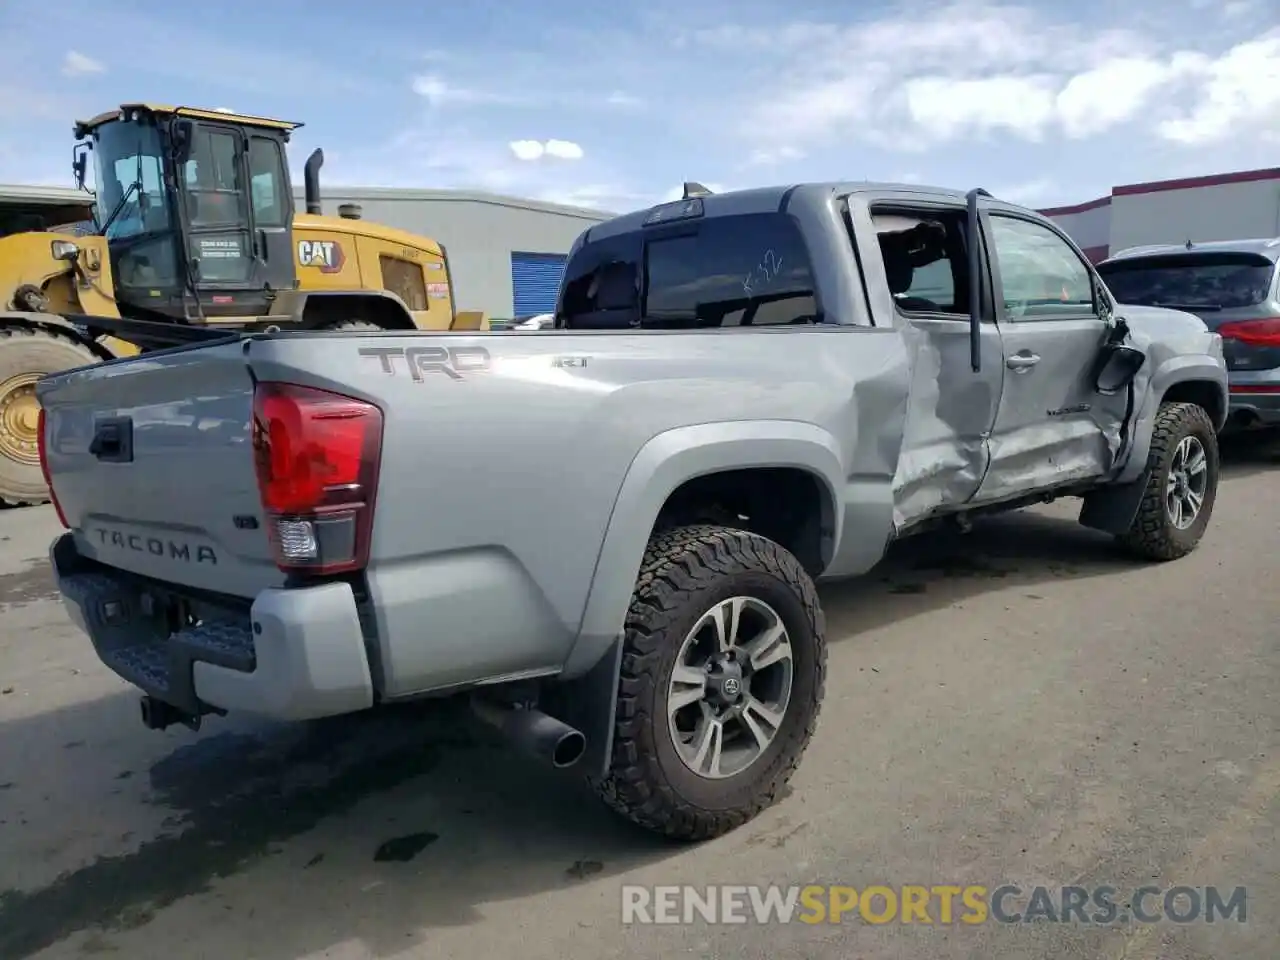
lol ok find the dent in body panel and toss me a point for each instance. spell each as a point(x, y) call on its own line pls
point(951, 411)
point(1179, 348)
point(1053, 428)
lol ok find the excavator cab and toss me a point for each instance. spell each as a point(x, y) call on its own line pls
point(197, 209)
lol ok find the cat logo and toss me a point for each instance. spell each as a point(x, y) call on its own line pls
point(325, 255)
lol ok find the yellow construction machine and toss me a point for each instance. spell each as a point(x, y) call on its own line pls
point(194, 234)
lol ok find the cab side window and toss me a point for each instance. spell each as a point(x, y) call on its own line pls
point(924, 261)
point(266, 183)
point(1041, 276)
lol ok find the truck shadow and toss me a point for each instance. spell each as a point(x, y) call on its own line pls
point(302, 837)
point(285, 841)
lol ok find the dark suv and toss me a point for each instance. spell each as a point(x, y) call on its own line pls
point(1234, 287)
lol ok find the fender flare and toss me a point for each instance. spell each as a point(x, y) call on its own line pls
point(1111, 508)
point(666, 461)
point(1175, 370)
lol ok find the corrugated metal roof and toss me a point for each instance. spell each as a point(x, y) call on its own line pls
point(17, 191)
point(334, 194)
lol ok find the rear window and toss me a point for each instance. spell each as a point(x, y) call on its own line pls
point(746, 270)
point(1207, 281)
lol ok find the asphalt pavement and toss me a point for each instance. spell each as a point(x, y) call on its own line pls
point(1021, 705)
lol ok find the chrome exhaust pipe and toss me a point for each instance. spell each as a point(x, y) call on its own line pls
point(533, 732)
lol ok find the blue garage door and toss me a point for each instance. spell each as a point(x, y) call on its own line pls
point(535, 279)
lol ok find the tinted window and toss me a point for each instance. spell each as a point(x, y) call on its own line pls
point(1041, 275)
point(129, 168)
point(266, 182)
point(213, 180)
point(1196, 281)
point(724, 271)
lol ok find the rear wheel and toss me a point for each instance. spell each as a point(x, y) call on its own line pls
point(722, 678)
point(25, 356)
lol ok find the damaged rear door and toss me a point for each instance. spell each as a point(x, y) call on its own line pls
point(1052, 426)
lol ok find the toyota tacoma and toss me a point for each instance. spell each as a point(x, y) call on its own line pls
point(606, 534)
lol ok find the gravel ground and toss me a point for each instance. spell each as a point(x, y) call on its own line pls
point(1021, 705)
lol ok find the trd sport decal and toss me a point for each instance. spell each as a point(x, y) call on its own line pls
point(325, 255)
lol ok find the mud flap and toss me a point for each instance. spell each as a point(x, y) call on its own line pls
point(1112, 508)
point(588, 703)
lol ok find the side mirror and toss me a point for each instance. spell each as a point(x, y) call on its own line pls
point(79, 164)
point(1117, 365)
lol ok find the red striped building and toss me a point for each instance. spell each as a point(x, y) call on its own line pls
point(1225, 206)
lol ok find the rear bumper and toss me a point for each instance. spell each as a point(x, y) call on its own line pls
point(292, 655)
point(1253, 407)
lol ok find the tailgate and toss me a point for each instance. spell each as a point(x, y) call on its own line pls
point(152, 463)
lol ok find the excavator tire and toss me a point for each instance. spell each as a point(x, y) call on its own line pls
point(26, 355)
point(353, 326)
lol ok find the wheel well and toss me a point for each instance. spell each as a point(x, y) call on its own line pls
point(1200, 392)
point(786, 504)
point(323, 311)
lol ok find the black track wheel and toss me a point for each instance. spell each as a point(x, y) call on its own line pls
point(26, 355)
point(696, 585)
point(1182, 485)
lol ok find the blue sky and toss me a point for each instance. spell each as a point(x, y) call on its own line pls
point(613, 105)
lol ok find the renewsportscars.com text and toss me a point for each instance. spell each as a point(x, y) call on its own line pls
point(941, 904)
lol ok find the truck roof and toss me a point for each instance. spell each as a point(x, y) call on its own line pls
point(771, 199)
point(1268, 247)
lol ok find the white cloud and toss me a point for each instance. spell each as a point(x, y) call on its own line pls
point(1239, 95)
point(563, 150)
point(531, 150)
point(619, 99)
point(438, 92)
point(914, 79)
point(76, 64)
point(949, 108)
point(775, 156)
point(527, 150)
point(1098, 99)
point(1030, 192)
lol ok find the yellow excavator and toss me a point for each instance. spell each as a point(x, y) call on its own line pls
point(194, 235)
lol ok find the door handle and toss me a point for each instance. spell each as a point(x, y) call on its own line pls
point(1022, 362)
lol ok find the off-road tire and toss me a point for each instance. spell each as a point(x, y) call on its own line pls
point(24, 350)
point(1152, 536)
point(685, 572)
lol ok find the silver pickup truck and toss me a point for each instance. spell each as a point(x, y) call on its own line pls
point(606, 534)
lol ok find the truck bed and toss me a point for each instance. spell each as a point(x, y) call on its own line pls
point(503, 460)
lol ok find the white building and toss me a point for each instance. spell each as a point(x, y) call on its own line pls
point(1226, 206)
point(506, 255)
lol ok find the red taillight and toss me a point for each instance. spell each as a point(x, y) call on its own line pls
point(317, 456)
point(1255, 333)
point(42, 446)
